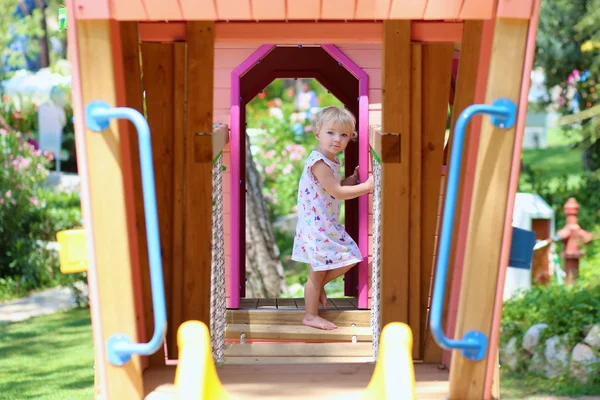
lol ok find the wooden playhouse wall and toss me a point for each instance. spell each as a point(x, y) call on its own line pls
point(228, 56)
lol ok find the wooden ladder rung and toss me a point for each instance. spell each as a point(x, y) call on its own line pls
point(299, 350)
point(298, 332)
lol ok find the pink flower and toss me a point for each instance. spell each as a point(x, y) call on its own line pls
point(8, 194)
point(270, 169)
point(287, 169)
point(34, 201)
point(270, 154)
point(1, 201)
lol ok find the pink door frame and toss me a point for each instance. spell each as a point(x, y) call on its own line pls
point(363, 160)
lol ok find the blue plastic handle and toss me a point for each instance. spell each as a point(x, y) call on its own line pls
point(119, 346)
point(473, 345)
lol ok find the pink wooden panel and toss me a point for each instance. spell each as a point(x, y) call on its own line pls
point(370, 245)
point(226, 181)
point(477, 9)
point(375, 97)
point(226, 224)
point(131, 10)
point(365, 59)
point(374, 77)
point(268, 9)
point(442, 9)
point(337, 9)
point(233, 9)
point(407, 9)
point(231, 58)
point(359, 46)
point(221, 98)
point(226, 158)
point(520, 9)
point(222, 78)
point(307, 9)
point(91, 9)
point(199, 10)
point(226, 204)
point(372, 9)
point(221, 115)
point(161, 10)
point(227, 244)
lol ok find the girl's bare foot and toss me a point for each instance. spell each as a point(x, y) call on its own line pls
point(323, 298)
point(319, 323)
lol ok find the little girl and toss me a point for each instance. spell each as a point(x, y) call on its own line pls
point(320, 240)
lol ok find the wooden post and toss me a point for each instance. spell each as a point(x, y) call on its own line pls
point(110, 274)
point(198, 171)
point(488, 208)
point(395, 226)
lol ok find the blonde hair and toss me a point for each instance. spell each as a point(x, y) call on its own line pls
point(337, 115)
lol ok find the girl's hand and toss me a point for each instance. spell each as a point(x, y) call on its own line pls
point(352, 179)
point(370, 183)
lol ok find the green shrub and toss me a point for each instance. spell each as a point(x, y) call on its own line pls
point(565, 309)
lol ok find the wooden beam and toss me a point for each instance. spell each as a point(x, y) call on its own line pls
point(135, 212)
point(159, 81)
point(395, 233)
point(306, 33)
point(179, 163)
point(437, 71)
point(488, 208)
point(101, 75)
point(198, 171)
point(416, 132)
point(466, 84)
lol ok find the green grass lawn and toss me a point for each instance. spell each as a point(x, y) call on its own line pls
point(48, 358)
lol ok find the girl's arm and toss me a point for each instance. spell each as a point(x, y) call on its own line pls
point(325, 176)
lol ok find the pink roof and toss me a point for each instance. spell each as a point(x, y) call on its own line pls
point(300, 10)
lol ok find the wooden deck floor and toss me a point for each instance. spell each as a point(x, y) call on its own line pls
point(347, 303)
point(298, 381)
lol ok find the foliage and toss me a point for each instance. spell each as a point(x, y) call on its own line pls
point(278, 149)
point(566, 310)
point(589, 27)
point(49, 357)
point(30, 218)
point(558, 45)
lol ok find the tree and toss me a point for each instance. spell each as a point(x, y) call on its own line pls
point(263, 266)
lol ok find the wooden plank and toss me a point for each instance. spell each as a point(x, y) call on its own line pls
point(198, 171)
point(395, 234)
point(488, 207)
point(299, 381)
point(179, 146)
point(303, 10)
point(138, 246)
point(407, 10)
point(298, 332)
point(160, 10)
point(299, 350)
point(442, 9)
point(477, 9)
point(337, 9)
point(289, 317)
point(198, 10)
point(159, 87)
point(466, 84)
point(248, 303)
point(101, 74)
point(365, 9)
point(268, 9)
point(286, 303)
point(437, 67)
point(267, 303)
point(234, 10)
point(416, 132)
point(295, 360)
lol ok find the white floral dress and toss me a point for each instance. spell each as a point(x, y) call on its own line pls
point(320, 239)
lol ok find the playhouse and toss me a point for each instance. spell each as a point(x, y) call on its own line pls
point(160, 90)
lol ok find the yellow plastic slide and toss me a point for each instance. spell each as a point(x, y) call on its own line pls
point(197, 378)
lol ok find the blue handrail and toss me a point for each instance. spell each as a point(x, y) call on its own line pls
point(119, 346)
point(473, 345)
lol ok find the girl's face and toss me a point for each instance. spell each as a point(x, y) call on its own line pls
point(333, 138)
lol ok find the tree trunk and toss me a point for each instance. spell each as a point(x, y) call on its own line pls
point(44, 50)
point(264, 271)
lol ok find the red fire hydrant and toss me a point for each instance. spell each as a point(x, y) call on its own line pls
point(573, 237)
